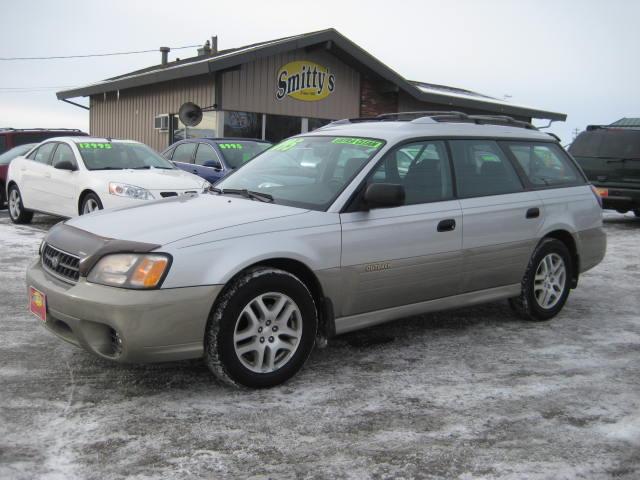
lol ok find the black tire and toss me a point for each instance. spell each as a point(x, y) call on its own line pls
point(220, 349)
point(527, 305)
point(3, 203)
point(18, 214)
point(90, 199)
point(637, 213)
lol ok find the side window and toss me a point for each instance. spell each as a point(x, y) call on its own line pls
point(206, 153)
point(545, 164)
point(483, 169)
point(168, 154)
point(184, 153)
point(63, 154)
point(43, 153)
point(422, 168)
point(3, 143)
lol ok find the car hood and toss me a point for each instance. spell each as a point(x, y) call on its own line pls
point(152, 179)
point(165, 221)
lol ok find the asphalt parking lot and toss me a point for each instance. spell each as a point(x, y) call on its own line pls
point(461, 394)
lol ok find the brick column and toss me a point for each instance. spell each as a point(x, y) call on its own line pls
point(374, 100)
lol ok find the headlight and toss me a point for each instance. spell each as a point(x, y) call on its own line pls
point(128, 270)
point(131, 191)
point(206, 187)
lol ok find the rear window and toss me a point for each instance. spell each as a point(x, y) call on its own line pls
point(545, 164)
point(607, 143)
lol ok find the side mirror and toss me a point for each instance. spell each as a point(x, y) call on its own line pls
point(66, 165)
point(212, 164)
point(384, 195)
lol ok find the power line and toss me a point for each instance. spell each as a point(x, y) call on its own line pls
point(58, 57)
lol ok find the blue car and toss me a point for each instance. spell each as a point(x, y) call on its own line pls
point(213, 158)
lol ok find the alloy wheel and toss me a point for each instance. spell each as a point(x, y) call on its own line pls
point(91, 205)
point(267, 332)
point(14, 203)
point(550, 280)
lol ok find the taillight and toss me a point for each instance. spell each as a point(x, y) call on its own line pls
point(597, 195)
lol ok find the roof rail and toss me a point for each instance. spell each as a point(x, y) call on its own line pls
point(441, 116)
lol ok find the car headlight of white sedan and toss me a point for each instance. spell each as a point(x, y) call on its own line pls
point(131, 191)
point(128, 270)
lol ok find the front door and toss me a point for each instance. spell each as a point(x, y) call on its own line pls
point(407, 254)
point(63, 185)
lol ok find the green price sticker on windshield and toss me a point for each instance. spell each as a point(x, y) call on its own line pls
point(95, 146)
point(230, 146)
point(359, 142)
point(287, 144)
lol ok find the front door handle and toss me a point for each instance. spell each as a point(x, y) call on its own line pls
point(447, 225)
point(533, 212)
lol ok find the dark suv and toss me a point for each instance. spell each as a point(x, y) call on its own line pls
point(610, 156)
point(12, 137)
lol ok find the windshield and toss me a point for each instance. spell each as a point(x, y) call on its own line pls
point(119, 156)
point(237, 153)
point(306, 172)
point(9, 155)
point(607, 143)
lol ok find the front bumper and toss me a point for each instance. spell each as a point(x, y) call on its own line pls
point(152, 325)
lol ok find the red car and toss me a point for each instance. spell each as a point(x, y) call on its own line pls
point(5, 160)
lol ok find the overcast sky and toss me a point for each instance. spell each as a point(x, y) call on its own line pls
point(576, 57)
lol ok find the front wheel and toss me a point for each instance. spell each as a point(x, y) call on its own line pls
point(17, 212)
point(262, 330)
point(546, 282)
point(90, 203)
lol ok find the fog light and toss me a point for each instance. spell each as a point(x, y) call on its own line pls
point(116, 343)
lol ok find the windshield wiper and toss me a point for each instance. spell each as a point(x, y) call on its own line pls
point(263, 197)
point(144, 167)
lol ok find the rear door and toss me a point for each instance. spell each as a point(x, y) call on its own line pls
point(406, 254)
point(35, 177)
point(501, 220)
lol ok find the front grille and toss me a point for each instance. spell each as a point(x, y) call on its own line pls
point(61, 264)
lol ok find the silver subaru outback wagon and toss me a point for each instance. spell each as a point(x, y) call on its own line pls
point(355, 224)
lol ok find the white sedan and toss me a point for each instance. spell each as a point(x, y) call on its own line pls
point(71, 176)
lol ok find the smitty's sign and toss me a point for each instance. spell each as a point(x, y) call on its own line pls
point(306, 81)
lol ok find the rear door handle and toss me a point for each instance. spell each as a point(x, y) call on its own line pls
point(447, 225)
point(533, 212)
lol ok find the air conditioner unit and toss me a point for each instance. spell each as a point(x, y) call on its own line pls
point(161, 122)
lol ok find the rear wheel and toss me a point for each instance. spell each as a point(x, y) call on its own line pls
point(637, 213)
point(90, 203)
point(2, 199)
point(17, 212)
point(263, 329)
point(546, 282)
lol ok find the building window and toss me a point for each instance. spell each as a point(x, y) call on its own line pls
point(207, 128)
point(279, 127)
point(242, 124)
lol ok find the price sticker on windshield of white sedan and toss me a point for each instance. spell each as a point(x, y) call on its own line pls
point(94, 146)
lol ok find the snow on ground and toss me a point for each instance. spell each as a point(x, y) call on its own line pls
point(470, 393)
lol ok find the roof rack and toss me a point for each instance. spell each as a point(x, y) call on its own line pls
point(442, 116)
point(11, 129)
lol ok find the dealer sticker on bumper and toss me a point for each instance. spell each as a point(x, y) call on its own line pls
point(38, 303)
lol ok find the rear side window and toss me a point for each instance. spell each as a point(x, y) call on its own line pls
point(607, 143)
point(422, 168)
point(545, 164)
point(184, 153)
point(43, 153)
point(483, 169)
point(3, 144)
